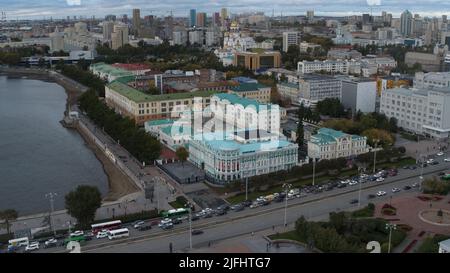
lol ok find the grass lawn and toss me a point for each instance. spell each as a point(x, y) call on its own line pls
point(431, 244)
point(179, 202)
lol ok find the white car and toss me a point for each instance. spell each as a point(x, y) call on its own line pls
point(77, 233)
point(447, 160)
point(429, 161)
point(380, 179)
point(255, 205)
point(381, 193)
point(394, 190)
point(138, 224)
point(32, 246)
point(165, 221)
point(352, 183)
point(102, 234)
point(51, 241)
point(440, 154)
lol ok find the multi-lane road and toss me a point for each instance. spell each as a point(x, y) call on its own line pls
point(313, 206)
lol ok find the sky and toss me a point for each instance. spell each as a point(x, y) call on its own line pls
point(38, 9)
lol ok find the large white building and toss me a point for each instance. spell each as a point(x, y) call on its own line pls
point(330, 66)
point(359, 94)
point(421, 111)
point(290, 38)
point(332, 144)
point(432, 80)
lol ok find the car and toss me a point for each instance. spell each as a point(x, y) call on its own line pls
point(415, 185)
point(165, 222)
point(247, 203)
point(208, 215)
point(412, 167)
point(394, 190)
point(429, 161)
point(102, 234)
point(137, 224)
point(221, 212)
point(434, 163)
point(341, 185)
point(177, 221)
point(167, 226)
point(239, 208)
point(354, 201)
point(371, 196)
point(381, 193)
point(406, 187)
point(224, 207)
point(446, 159)
point(380, 179)
point(88, 236)
point(440, 154)
point(234, 207)
point(197, 232)
point(195, 218)
point(255, 205)
point(145, 227)
point(32, 246)
point(52, 242)
point(77, 233)
point(352, 183)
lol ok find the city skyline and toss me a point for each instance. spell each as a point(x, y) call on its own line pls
point(28, 9)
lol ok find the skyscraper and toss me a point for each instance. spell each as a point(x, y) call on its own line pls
point(136, 19)
point(108, 27)
point(310, 15)
point(201, 19)
point(223, 16)
point(406, 23)
point(193, 18)
point(216, 19)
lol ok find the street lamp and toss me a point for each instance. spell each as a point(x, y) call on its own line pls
point(422, 159)
point(361, 170)
point(314, 170)
point(190, 225)
point(375, 154)
point(286, 187)
point(390, 227)
point(246, 188)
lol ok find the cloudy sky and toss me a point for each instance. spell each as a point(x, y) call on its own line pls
point(61, 8)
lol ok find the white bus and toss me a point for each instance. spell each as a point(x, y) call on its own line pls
point(118, 233)
point(18, 242)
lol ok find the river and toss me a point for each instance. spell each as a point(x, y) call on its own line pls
point(37, 154)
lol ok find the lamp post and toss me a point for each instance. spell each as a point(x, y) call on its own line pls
point(359, 192)
point(314, 170)
point(375, 155)
point(390, 227)
point(51, 197)
point(190, 226)
point(286, 187)
point(421, 173)
point(246, 188)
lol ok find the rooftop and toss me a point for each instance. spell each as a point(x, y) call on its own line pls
point(328, 135)
point(131, 67)
point(159, 122)
point(109, 69)
point(245, 102)
point(244, 87)
point(138, 96)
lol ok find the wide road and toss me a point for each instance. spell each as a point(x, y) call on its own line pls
point(313, 206)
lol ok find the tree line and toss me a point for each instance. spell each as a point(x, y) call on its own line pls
point(141, 145)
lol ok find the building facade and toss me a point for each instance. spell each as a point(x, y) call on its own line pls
point(258, 60)
point(359, 94)
point(255, 91)
point(315, 87)
point(330, 66)
point(291, 38)
point(332, 144)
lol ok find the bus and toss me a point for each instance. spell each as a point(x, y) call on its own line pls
point(18, 242)
point(174, 213)
point(80, 239)
point(446, 176)
point(118, 233)
point(107, 225)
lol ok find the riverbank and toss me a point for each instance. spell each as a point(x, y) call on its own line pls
point(119, 184)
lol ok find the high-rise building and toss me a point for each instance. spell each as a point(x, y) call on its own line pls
point(108, 28)
point(193, 18)
point(120, 36)
point(216, 19)
point(223, 15)
point(201, 19)
point(310, 15)
point(290, 38)
point(136, 20)
point(406, 20)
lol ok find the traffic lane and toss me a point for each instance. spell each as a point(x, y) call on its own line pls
point(266, 220)
point(276, 206)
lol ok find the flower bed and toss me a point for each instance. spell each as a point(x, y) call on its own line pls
point(388, 210)
point(404, 227)
point(430, 198)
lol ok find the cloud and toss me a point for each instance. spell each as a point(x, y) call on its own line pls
point(373, 2)
point(73, 2)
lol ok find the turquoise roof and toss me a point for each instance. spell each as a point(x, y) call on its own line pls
point(244, 87)
point(159, 122)
point(290, 84)
point(177, 130)
point(245, 102)
point(326, 136)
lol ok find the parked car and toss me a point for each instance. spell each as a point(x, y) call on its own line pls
point(247, 203)
point(380, 179)
point(194, 218)
point(381, 193)
point(221, 212)
point(342, 185)
point(406, 188)
point(394, 190)
point(415, 185)
point(167, 226)
point(354, 201)
point(371, 196)
point(239, 208)
point(447, 159)
point(176, 221)
point(440, 154)
point(434, 163)
point(52, 242)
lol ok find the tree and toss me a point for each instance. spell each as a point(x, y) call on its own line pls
point(82, 204)
point(182, 154)
point(300, 134)
point(8, 215)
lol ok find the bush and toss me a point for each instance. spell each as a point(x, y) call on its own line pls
point(367, 211)
point(436, 186)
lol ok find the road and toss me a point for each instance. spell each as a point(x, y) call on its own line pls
point(314, 206)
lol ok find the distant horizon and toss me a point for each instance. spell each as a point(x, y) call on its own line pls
point(60, 9)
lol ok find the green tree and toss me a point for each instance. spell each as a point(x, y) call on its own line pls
point(82, 204)
point(182, 154)
point(8, 215)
